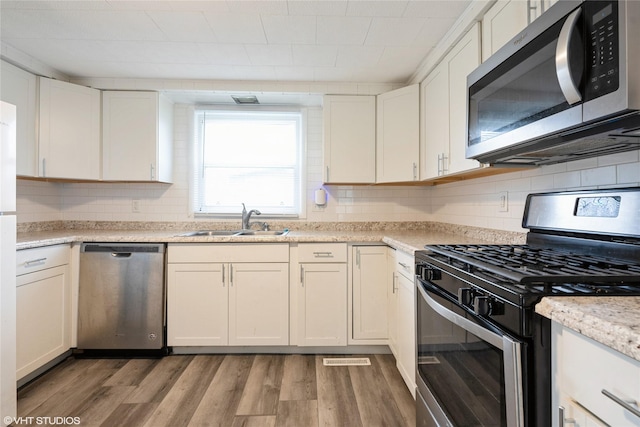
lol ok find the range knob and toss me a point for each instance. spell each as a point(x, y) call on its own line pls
point(428, 272)
point(465, 296)
point(482, 305)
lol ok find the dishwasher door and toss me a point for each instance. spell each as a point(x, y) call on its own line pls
point(121, 300)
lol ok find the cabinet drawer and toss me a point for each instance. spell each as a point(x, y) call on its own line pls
point(322, 252)
point(228, 252)
point(405, 264)
point(31, 260)
point(589, 367)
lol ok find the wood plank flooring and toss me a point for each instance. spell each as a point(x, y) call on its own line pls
point(221, 390)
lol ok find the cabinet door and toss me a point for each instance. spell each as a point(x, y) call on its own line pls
point(406, 363)
point(370, 280)
point(461, 61)
point(323, 304)
point(398, 135)
point(131, 136)
point(435, 95)
point(501, 23)
point(259, 304)
point(197, 304)
point(69, 131)
point(349, 139)
point(43, 321)
point(18, 87)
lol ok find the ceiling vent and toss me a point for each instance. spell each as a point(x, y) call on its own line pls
point(245, 100)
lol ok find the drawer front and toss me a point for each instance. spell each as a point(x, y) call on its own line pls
point(405, 264)
point(228, 252)
point(31, 260)
point(322, 252)
point(589, 368)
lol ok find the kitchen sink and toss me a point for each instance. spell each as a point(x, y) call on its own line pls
point(263, 232)
point(210, 233)
point(207, 233)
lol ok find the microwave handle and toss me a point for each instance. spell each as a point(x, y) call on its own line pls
point(563, 68)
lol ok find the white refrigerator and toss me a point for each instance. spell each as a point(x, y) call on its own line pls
point(8, 396)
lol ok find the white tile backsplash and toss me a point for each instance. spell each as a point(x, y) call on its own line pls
point(472, 202)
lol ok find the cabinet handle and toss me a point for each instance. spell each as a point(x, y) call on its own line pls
point(223, 275)
point(415, 171)
point(302, 275)
point(394, 288)
point(327, 173)
point(230, 274)
point(358, 257)
point(562, 420)
point(152, 171)
point(630, 405)
point(403, 265)
point(35, 261)
point(44, 168)
point(323, 254)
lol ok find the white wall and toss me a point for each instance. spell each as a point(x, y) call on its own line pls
point(473, 202)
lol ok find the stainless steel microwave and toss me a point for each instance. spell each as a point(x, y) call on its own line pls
point(564, 88)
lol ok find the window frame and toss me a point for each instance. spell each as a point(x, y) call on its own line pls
point(197, 161)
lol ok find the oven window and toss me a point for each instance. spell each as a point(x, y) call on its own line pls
point(464, 373)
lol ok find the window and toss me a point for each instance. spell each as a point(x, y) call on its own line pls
point(251, 157)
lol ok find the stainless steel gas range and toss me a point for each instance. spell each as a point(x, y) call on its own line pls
point(483, 354)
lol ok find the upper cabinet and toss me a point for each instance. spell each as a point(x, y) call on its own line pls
point(349, 134)
point(136, 136)
point(69, 139)
point(18, 87)
point(398, 135)
point(505, 19)
point(444, 101)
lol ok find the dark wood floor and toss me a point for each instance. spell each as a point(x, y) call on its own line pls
point(221, 390)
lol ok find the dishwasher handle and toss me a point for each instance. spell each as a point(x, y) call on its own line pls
point(121, 254)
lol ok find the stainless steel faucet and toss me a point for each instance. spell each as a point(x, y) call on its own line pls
point(246, 217)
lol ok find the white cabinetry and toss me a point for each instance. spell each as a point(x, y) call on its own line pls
point(322, 294)
point(228, 294)
point(136, 136)
point(398, 135)
point(404, 318)
point(43, 307)
point(349, 139)
point(370, 285)
point(69, 138)
point(18, 87)
point(444, 101)
point(585, 372)
point(505, 19)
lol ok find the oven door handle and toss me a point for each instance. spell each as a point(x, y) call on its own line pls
point(511, 350)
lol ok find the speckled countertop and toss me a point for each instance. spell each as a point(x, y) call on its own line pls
point(407, 237)
point(612, 321)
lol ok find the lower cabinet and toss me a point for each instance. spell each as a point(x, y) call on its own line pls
point(593, 385)
point(215, 297)
point(403, 319)
point(370, 287)
point(43, 307)
point(322, 294)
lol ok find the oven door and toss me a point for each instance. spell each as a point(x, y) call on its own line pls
point(468, 372)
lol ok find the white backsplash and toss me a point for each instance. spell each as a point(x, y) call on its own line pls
point(474, 202)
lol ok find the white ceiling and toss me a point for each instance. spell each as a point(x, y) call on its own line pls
point(270, 40)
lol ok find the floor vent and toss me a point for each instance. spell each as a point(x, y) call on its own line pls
point(346, 361)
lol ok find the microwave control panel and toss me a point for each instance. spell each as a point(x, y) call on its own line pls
point(602, 46)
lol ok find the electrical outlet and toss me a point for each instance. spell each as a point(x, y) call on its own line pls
point(503, 201)
point(135, 206)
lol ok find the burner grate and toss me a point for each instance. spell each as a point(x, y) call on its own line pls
point(526, 265)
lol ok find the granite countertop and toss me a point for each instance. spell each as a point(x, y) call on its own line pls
point(399, 237)
point(612, 321)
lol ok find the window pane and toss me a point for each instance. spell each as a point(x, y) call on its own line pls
point(248, 157)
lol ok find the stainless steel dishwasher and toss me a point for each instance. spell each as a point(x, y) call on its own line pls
point(121, 300)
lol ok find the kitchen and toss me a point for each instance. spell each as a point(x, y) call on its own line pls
point(493, 202)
